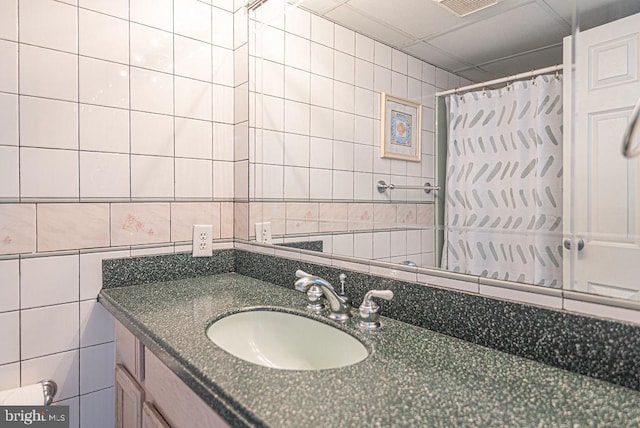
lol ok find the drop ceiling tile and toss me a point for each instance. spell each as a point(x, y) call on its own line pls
point(528, 27)
point(594, 12)
point(434, 56)
point(531, 61)
point(319, 7)
point(350, 18)
point(476, 75)
point(419, 18)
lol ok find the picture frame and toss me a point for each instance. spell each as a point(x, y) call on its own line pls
point(401, 128)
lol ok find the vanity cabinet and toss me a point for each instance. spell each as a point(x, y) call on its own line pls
point(151, 418)
point(150, 395)
point(129, 399)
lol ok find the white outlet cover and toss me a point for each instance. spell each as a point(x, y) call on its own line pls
point(263, 233)
point(202, 241)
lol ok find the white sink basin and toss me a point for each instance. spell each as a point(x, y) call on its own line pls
point(285, 341)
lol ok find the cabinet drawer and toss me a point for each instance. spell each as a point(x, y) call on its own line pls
point(179, 405)
point(151, 418)
point(129, 352)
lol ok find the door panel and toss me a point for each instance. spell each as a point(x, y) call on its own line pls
point(606, 186)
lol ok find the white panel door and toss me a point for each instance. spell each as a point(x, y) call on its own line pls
point(606, 186)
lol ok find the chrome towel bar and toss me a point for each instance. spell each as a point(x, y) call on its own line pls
point(383, 186)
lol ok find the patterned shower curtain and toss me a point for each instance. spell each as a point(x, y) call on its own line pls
point(503, 209)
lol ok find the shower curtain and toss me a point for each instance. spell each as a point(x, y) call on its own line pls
point(503, 205)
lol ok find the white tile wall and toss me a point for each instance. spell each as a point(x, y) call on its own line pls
point(95, 362)
point(63, 367)
point(327, 80)
point(49, 281)
point(95, 409)
point(112, 100)
point(61, 333)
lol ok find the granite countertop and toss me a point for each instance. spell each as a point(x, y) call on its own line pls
point(413, 376)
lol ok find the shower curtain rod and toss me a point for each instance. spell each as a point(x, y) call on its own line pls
point(502, 80)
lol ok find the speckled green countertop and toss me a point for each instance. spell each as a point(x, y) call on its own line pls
point(413, 377)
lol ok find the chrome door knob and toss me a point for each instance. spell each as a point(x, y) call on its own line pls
point(567, 244)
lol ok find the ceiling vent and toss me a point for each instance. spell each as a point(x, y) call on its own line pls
point(466, 7)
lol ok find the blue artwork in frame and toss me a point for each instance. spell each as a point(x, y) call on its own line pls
point(400, 128)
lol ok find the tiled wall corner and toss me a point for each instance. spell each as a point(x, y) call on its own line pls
point(116, 136)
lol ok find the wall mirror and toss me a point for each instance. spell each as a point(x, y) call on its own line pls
point(523, 105)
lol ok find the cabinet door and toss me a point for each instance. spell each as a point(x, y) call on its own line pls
point(151, 418)
point(129, 399)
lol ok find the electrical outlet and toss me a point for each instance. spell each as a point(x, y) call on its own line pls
point(202, 240)
point(263, 232)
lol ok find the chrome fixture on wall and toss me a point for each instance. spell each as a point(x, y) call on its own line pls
point(382, 187)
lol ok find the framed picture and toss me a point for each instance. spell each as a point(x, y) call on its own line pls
point(400, 128)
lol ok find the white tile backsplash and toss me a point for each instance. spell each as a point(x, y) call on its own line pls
point(46, 173)
point(49, 24)
point(64, 368)
point(119, 8)
point(151, 91)
point(222, 66)
point(152, 177)
point(62, 332)
point(152, 134)
point(97, 365)
point(57, 123)
point(49, 280)
point(9, 285)
point(345, 40)
point(9, 331)
point(104, 83)
point(48, 73)
point(91, 272)
point(193, 99)
point(192, 58)
point(151, 48)
point(9, 20)
point(222, 28)
point(297, 52)
point(104, 129)
point(322, 31)
point(344, 67)
point(321, 60)
point(91, 108)
point(192, 18)
point(382, 79)
point(193, 138)
point(9, 70)
point(298, 22)
point(297, 85)
point(104, 175)
point(194, 178)
point(8, 119)
point(95, 409)
point(155, 13)
point(102, 36)
point(9, 176)
point(9, 376)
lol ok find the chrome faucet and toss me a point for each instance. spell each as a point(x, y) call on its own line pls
point(339, 307)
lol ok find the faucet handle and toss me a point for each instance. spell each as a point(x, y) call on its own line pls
point(369, 309)
point(382, 294)
point(302, 274)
